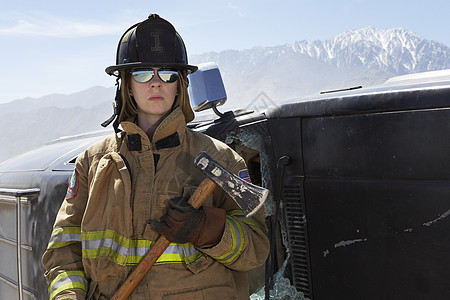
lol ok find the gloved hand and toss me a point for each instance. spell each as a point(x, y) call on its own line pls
point(183, 224)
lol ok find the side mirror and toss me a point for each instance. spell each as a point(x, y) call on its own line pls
point(206, 89)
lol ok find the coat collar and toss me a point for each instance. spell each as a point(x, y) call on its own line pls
point(168, 134)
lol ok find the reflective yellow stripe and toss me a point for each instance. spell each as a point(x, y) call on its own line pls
point(69, 280)
point(63, 236)
point(238, 240)
point(235, 212)
point(249, 221)
point(124, 251)
point(66, 229)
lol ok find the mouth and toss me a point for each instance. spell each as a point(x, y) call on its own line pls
point(156, 98)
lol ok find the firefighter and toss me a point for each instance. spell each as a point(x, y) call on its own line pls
point(132, 186)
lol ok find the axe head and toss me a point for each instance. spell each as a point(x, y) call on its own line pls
point(248, 196)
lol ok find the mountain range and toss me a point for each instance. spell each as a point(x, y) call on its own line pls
point(398, 51)
point(298, 69)
point(364, 57)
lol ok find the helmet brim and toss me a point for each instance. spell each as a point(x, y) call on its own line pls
point(115, 70)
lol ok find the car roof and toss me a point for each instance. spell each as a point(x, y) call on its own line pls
point(422, 90)
point(57, 155)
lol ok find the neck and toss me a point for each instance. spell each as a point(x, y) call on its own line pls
point(149, 123)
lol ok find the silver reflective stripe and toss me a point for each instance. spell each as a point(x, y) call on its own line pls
point(240, 215)
point(68, 282)
point(234, 228)
point(178, 249)
point(69, 279)
point(106, 243)
point(137, 251)
point(189, 251)
point(248, 220)
point(66, 237)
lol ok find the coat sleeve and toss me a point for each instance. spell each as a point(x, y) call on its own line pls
point(63, 258)
point(244, 244)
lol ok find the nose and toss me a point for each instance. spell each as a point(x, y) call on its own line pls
point(155, 81)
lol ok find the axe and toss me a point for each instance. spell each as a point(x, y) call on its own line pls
point(248, 196)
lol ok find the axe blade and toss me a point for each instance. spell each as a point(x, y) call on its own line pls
point(248, 196)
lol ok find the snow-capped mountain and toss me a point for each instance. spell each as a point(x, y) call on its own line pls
point(395, 50)
point(364, 57)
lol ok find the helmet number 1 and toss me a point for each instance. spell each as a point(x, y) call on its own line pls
point(157, 47)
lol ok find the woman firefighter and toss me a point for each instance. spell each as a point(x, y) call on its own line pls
point(132, 186)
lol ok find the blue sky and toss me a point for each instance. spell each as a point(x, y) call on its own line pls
point(63, 47)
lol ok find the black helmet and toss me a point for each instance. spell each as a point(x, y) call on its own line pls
point(150, 43)
point(165, 48)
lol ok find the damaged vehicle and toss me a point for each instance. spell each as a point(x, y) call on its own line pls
point(359, 187)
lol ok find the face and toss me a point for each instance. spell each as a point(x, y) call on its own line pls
point(154, 98)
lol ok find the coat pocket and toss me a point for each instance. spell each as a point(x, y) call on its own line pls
point(109, 200)
point(107, 221)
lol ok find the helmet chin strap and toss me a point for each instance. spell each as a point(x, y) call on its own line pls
point(117, 106)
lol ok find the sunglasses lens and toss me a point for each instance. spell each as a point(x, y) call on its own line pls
point(143, 75)
point(168, 76)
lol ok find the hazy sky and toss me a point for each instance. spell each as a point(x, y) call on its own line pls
point(52, 47)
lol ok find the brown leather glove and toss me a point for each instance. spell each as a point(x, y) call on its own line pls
point(183, 224)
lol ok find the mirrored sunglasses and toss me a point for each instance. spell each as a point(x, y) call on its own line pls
point(142, 76)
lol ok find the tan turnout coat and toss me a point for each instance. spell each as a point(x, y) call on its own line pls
point(121, 183)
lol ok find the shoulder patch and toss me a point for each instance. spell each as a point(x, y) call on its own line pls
point(73, 186)
point(243, 174)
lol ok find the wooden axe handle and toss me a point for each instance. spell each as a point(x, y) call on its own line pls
point(205, 188)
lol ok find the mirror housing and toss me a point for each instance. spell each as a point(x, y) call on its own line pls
point(206, 89)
